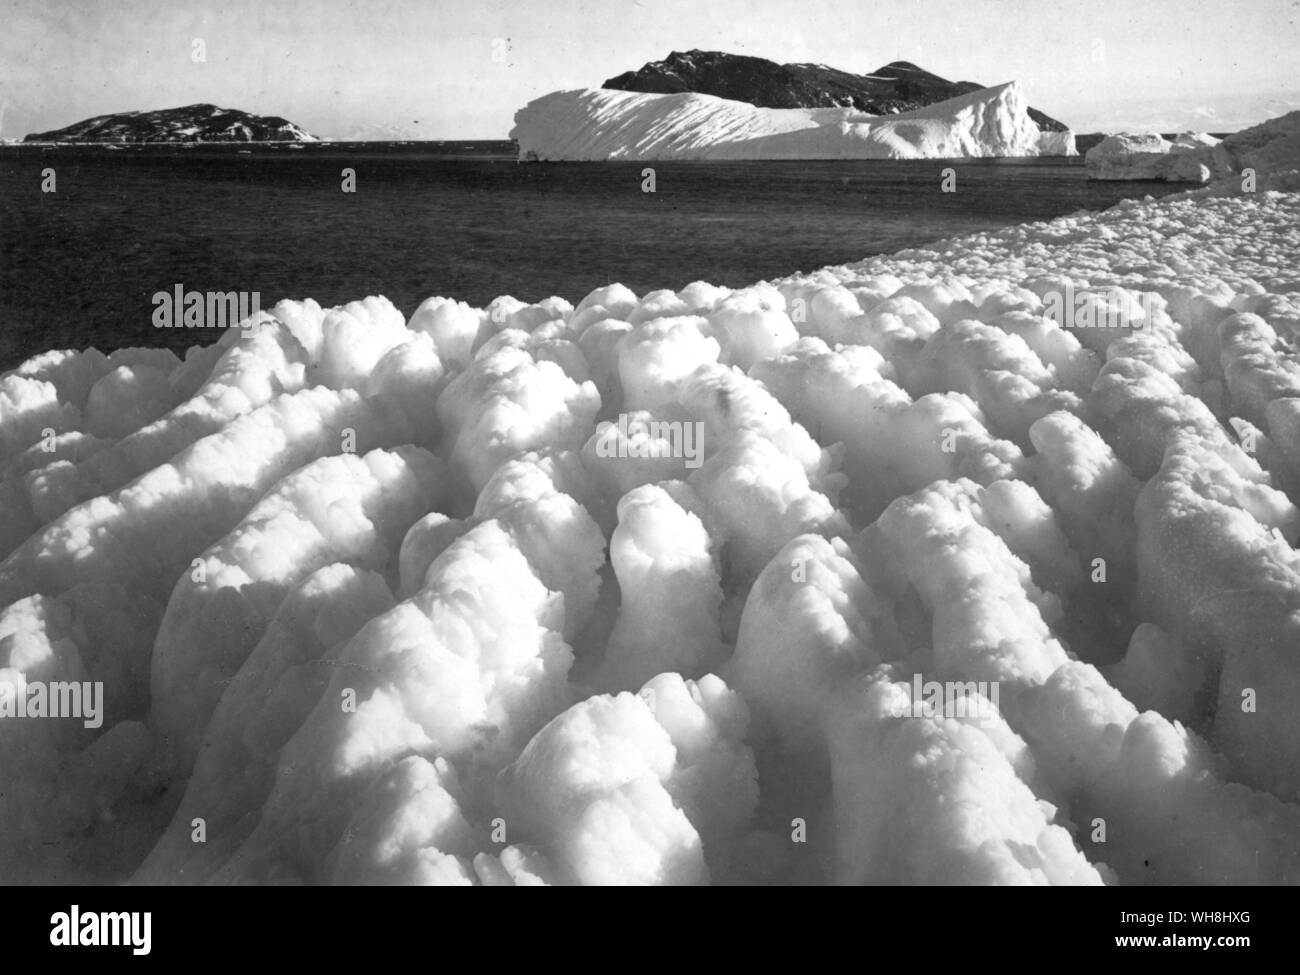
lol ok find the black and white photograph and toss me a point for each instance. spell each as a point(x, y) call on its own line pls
point(650, 442)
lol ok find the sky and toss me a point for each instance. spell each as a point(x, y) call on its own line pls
point(458, 69)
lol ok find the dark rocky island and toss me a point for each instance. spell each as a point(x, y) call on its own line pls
point(190, 123)
point(897, 87)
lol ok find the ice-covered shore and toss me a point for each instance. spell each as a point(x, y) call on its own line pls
point(1189, 158)
point(378, 599)
point(1270, 148)
point(603, 124)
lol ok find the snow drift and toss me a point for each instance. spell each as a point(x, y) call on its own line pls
point(600, 124)
point(445, 600)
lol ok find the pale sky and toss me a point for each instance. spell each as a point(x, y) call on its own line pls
point(426, 68)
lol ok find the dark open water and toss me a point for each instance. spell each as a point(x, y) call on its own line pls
point(78, 267)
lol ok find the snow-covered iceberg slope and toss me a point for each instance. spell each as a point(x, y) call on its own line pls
point(598, 124)
point(1271, 150)
point(641, 590)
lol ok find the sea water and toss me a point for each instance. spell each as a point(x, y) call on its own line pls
point(80, 265)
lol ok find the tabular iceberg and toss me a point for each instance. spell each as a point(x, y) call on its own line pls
point(599, 124)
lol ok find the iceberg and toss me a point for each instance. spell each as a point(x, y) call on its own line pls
point(1265, 155)
point(602, 124)
point(1188, 158)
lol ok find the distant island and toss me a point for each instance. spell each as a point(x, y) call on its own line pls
point(710, 105)
point(190, 123)
point(899, 86)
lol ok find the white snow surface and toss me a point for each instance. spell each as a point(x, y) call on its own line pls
point(399, 601)
point(599, 124)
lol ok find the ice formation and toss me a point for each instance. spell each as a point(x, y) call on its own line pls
point(1261, 157)
point(599, 123)
point(1188, 158)
point(640, 591)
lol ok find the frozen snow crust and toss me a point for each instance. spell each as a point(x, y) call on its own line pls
point(389, 600)
point(604, 124)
